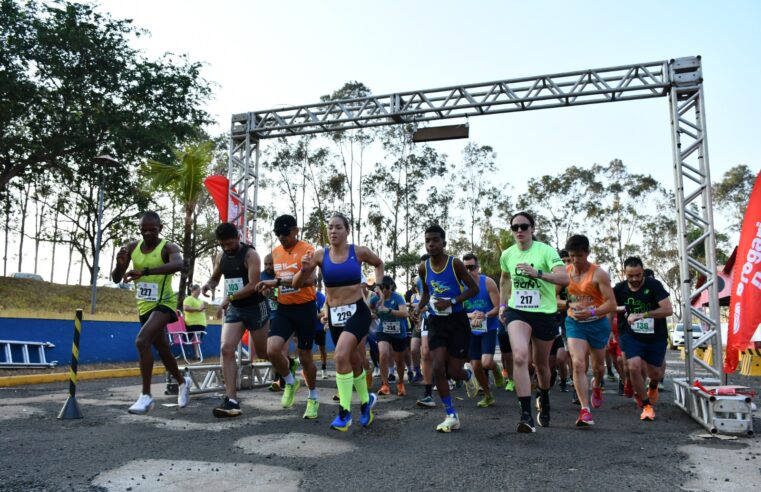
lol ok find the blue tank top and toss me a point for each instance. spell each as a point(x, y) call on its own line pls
point(341, 274)
point(443, 284)
point(482, 302)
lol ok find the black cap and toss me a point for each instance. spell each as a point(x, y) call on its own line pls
point(285, 222)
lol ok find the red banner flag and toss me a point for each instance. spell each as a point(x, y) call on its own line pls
point(745, 303)
point(219, 188)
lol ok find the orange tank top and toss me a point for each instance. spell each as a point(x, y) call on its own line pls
point(287, 263)
point(583, 293)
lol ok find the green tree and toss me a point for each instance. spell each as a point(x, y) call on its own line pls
point(71, 85)
point(352, 145)
point(732, 193)
point(183, 179)
point(619, 212)
point(562, 201)
point(480, 195)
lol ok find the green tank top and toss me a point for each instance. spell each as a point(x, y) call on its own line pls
point(152, 290)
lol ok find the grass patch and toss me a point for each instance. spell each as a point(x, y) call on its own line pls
point(24, 298)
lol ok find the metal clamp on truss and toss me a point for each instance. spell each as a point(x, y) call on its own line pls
point(730, 413)
point(686, 72)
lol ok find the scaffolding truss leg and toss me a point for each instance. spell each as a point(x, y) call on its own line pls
point(697, 236)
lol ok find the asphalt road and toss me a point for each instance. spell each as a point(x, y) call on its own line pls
point(269, 448)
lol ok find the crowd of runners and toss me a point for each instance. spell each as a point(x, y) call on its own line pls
point(553, 314)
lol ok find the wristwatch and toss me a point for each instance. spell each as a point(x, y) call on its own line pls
point(539, 274)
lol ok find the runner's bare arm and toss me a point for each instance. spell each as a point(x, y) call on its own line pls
point(122, 261)
point(664, 310)
point(505, 289)
point(425, 295)
point(472, 289)
point(603, 283)
point(213, 281)
point(253, 265)
point(307, 274)
point(368, 256)
point(491, 288)
point(557, 276)
point(173, 264)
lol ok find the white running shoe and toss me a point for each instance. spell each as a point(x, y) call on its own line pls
point(324, 374)
point(183, 393)
point(452, 422)
point(471, 385)
point(142, 406)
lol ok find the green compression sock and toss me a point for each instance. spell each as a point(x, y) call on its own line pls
point(360, 384)
point(344, 383)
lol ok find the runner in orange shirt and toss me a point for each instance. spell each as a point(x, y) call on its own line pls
point(295, 314)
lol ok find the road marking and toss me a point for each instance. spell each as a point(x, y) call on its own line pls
point(294, 445)
point(181, 476)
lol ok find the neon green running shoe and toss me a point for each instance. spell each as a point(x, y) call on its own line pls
point(312, 407)
point(510, 385)
point(486, 401)
point(499, 380)
point(289, 394)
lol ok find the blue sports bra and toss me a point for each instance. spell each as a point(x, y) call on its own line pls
point(341, 274)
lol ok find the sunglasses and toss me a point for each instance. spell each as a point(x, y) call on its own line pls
point(522, 227)
point(282, 232)
point(471, 268)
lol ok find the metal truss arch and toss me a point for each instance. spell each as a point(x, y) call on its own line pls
point(681, 80)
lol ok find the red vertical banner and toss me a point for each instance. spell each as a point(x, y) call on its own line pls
point(745, 302)
point(219, 189)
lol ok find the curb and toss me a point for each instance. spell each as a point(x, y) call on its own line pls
point(64, 376)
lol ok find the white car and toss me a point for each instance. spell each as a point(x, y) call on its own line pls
point(677, 335)
point(28, 276)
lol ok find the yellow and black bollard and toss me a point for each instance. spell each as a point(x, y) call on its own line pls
point(70, 409)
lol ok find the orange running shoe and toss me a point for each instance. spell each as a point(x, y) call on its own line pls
point(400, 389)
point(384, 390)
point(652, 394)
point(647, 413)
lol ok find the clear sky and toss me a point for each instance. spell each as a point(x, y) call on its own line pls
point(263, 54)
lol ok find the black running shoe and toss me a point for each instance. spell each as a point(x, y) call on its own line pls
point(620, 388)
point(392, 378)
point(227, 409)
point(526, 425)
point(563, 385)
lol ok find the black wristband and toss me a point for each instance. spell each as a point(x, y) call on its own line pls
point(146, 271)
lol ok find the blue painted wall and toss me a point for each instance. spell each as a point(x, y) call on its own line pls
point(101, 341)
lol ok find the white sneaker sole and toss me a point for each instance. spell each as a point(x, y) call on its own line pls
point(141, 411)
point(183, 395)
